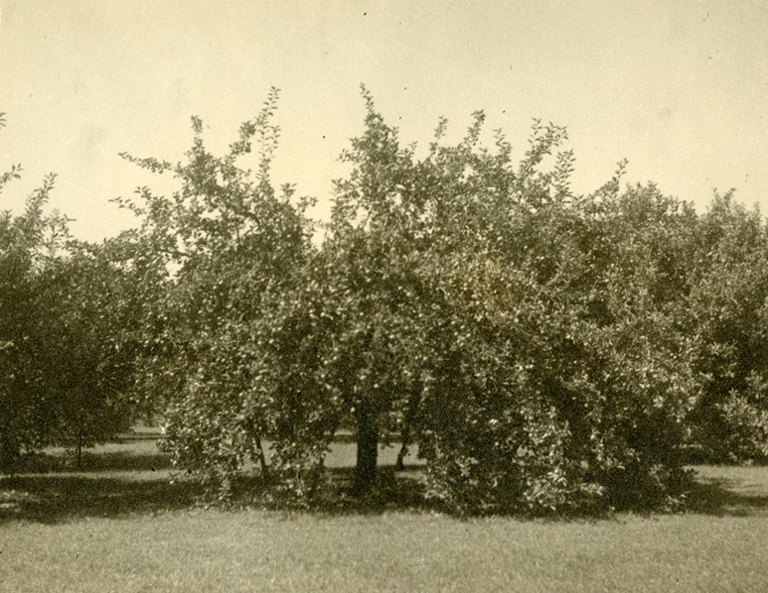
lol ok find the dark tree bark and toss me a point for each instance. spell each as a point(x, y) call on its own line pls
point(262, 460)
point(367, 450)
point(405, 432)
point(400, 464)
point(9, 455)
point(79, 450)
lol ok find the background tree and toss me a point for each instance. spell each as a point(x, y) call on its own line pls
point(217, 256)
point(727, 309)
point(28, 242)
point(90, 345)
point(65, 326)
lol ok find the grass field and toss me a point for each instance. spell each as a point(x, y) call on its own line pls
point(120, 526)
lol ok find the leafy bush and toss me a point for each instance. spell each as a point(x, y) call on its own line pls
point(544, 350)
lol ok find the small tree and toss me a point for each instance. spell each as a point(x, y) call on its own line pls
point(218, 257)
point(28, 243)
point(91, 345)
point(727, 308)
point(68, 326)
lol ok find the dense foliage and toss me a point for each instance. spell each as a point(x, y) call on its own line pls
point(541, 350)
point(25, 247)
point(66, 362)
point(728, 310)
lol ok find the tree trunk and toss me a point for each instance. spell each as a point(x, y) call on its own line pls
point(9, 454)
point(405, 431)
point(367, 450)
point(79, 449)
point(262, 460)
point(406, 438)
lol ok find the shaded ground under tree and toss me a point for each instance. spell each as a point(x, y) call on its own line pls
point(133, 479)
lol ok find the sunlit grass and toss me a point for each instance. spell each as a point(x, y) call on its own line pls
point(124, 528)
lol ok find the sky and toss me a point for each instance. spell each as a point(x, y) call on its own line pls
point(680, 89)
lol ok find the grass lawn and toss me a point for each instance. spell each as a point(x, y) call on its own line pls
point(120, 526)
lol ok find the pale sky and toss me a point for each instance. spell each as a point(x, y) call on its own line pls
point(678, 88)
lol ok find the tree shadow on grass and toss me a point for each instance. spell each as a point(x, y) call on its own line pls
point(726, 497)
point(114, 484)
point(401, 490)
point(126, 462)
point(335, 494)
point(404, 491)
point(117, 485)
point(48, 488)
point(101, 461)
point(61, 497)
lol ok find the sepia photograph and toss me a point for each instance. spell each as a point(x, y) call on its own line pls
point(367, 296)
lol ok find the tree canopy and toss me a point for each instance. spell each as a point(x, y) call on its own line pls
point(541, 350)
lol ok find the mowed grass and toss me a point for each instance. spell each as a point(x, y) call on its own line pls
point(120, 526)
